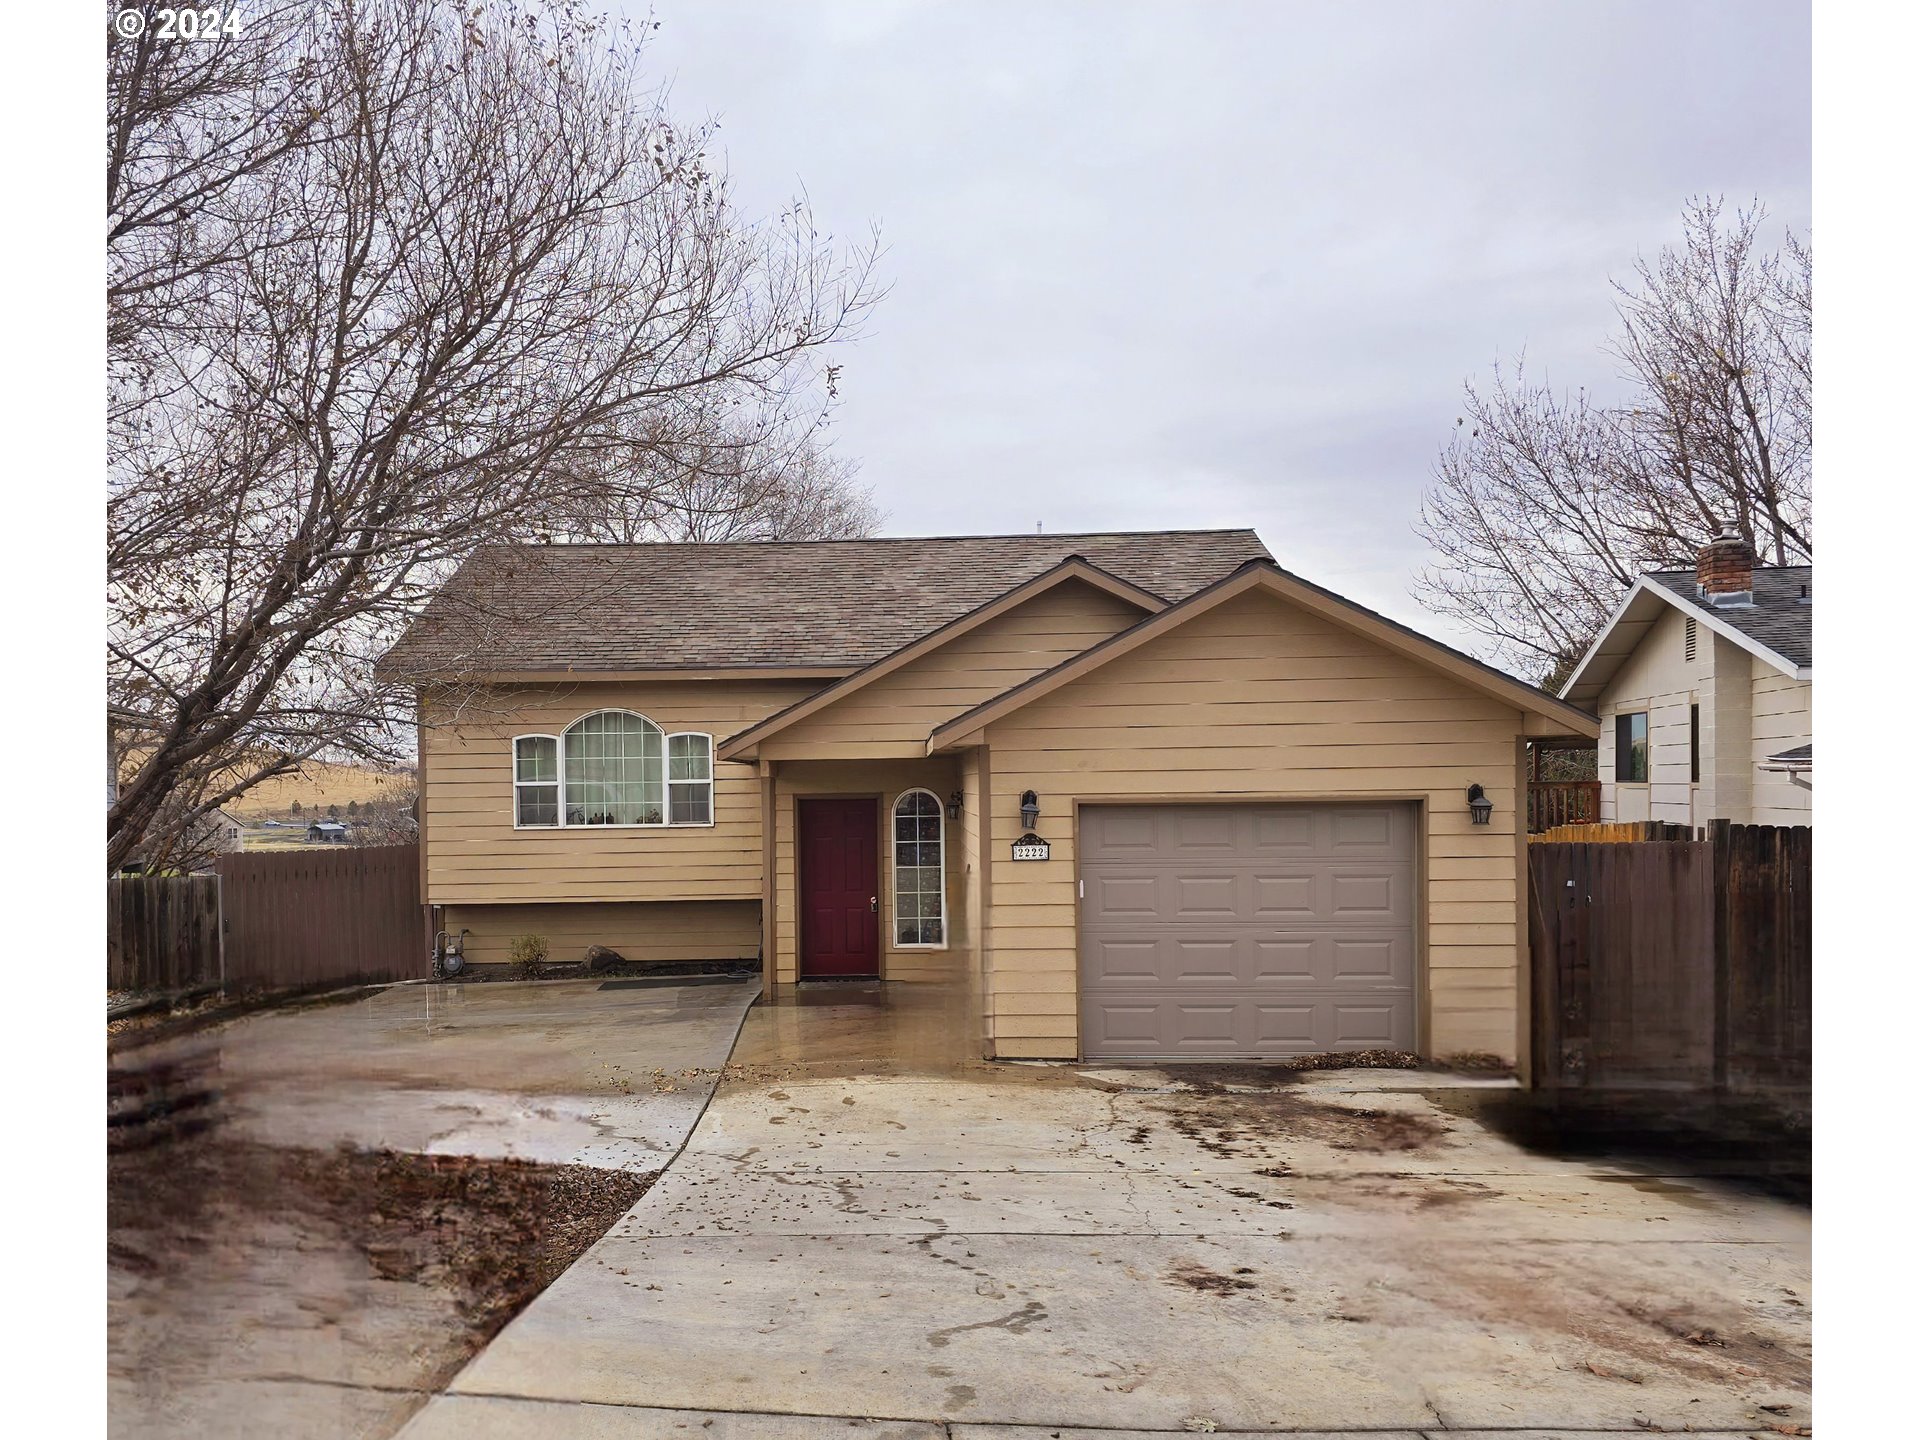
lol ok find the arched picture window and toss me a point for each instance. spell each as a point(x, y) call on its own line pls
point(919, 870)
point(612, 767)
point(615, 770)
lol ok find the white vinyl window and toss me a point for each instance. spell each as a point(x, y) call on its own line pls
point(536, 780)
point(919, 870)
point(613, 767)
point(689, 779)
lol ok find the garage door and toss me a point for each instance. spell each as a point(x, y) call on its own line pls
point(1245, 931)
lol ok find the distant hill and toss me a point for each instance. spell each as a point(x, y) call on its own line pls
point(317, 785)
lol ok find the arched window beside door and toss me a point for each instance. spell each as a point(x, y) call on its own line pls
point(919, 870)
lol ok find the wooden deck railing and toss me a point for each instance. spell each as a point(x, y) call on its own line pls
point(1562, 802)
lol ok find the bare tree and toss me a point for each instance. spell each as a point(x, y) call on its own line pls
point(486, 264)
point(1547, 505)
point(712, 487)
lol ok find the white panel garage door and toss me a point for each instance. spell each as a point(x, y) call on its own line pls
point(1245, 931)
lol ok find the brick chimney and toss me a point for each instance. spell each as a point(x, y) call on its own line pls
point(1725, 569)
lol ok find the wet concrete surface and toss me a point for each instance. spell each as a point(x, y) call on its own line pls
point(561, 1072)
point(869, 1224)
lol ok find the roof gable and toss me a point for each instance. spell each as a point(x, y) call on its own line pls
point(835, 605)
point(1558, 715)
point(1074, 570)
point(1777, 627)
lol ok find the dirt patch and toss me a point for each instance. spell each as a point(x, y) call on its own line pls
point(1195, 1276)
point(1617, 1338)
point(343, 1267)
point(1233, 1125)
point(1214, 1076)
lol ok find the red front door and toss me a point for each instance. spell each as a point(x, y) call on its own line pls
point(839, 889)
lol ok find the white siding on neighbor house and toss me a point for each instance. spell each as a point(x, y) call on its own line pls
point(1748, 711)
point(1726, 742)
point(1782, 719)
point(1659, 679)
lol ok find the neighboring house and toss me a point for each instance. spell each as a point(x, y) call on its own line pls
point(330, 832)
point(218, 833)
point(1140, 794)
point(1703, 681)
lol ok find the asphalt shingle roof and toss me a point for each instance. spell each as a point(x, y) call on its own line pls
point(799, 603)
point(1778, 618)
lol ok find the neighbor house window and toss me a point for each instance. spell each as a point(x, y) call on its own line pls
point(613, 768)
point(536, 780)
point(1630, 747)
point(1693, 742)
point(919, 873)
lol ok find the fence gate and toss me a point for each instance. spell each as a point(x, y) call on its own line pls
point(1623, 964)
point(163, 932)
point(1674, 964)
point(334, 913)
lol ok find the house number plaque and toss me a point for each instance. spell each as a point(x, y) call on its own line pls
point(1031, 847)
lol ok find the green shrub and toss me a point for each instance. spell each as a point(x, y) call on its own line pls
point(528, 953)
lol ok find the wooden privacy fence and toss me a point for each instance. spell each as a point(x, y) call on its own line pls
point(344, 913)
point(1616, 832)
point(163, 932)
point(1674, 964)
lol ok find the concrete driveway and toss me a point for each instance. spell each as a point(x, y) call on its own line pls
point(868, 1232)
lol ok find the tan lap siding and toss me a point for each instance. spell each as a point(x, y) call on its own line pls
point(892, 716)
point(1260, 701)
point(475, 855)
point(647, 933)
point(968, 865)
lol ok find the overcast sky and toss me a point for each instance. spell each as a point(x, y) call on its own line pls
point(1195, 264)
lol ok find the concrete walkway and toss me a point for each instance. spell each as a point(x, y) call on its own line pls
point(869, 1233)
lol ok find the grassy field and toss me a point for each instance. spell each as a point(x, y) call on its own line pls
point(318, 786)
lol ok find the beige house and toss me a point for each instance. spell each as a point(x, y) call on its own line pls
point(1703, 681)
point(1143, 795)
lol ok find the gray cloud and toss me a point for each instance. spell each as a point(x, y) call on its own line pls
point(1229, 263)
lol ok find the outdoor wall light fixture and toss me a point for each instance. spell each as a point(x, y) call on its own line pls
point(953, 805)
point(1029, 810)
point(1479, 804)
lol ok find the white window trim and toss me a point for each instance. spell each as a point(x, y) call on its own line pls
point(666, 795)
point(893, 870)
point(513, 772)
point(669, 782)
